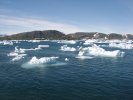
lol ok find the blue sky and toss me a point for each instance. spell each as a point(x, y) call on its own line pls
point(67, 16)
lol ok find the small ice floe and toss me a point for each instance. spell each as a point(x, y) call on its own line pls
point(43, 46)
point(66, 59)
point(19, 50)
point(16, 41)
point(18, 57)
point(89, 42)
point(67, 42)
point(121, 45)
point(5, 42)
point(98, 51)
point(13, 54)
point(34, 40)
point(84, 57)
point(32, 49)
point(66, 48)
point(17, 54)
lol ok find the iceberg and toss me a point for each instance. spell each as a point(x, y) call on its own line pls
point(98, 51)
point(66, 48)
point(43, 60)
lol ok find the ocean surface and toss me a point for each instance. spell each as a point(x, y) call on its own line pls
point(64, 77)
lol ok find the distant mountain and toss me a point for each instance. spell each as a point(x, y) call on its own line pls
point(57, 35)
point(97, 35)
point(47, 34)
point(87, 35)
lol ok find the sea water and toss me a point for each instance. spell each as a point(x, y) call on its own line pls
point(46, 72)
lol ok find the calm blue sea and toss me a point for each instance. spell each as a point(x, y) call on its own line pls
point(99, 78)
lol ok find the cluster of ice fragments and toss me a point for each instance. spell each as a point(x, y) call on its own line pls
point(17, 54)
point(121, 45)
point(5, 42)
point(96, 50)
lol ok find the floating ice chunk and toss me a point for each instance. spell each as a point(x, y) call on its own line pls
point(121, 45)
point(66, 59)
point(67, 42)
point(13, 54)
point(84, 57)
point(19, 50)
point(43, 60)
point(98, 51)
point(114, 41)
point(17, 54)
point(34, 40)
point(89, 42)
point(32, 49)
point(5, 42)
point(43, 46)
point(18, 57)
point(66, 48)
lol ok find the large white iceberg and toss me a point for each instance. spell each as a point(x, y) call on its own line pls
point(98, 51)
point(66, 48)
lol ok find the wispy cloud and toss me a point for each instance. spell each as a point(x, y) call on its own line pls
point(29, 24)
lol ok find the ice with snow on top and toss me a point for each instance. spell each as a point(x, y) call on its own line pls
point(98, 51)
point(43, 60)
point(66, 48)
point(121, 45)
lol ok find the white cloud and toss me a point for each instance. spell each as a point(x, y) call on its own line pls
point(30, 24)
